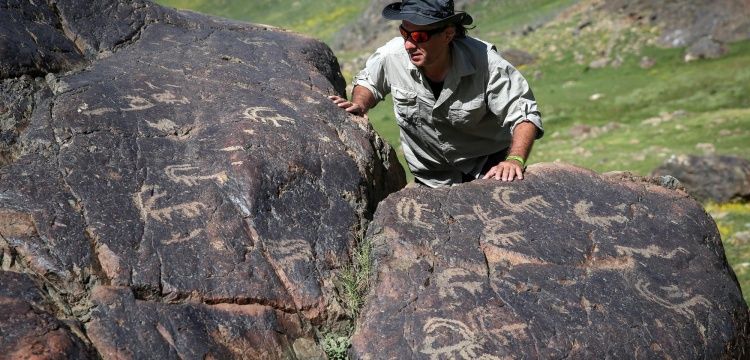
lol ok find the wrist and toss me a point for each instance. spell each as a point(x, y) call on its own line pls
point(518, 159)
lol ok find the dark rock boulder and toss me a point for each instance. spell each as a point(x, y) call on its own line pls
point(717, 178)
point(564, 264)
point(34, 41)
point(182, 186)
point(29, 330)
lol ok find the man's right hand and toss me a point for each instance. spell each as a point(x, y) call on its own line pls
point(347, 105)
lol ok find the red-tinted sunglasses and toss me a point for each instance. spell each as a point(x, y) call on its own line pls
point(419, 36)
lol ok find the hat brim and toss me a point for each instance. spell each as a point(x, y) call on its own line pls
point(393, 12)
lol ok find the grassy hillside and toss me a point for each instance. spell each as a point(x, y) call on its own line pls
point(320, 19)
point(619, 117)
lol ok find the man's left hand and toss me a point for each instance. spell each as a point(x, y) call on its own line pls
point(505, 171)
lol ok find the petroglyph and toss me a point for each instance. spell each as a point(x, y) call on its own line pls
point(582, 208)
point(176, 238)
point(496, 254)
point(448, 287)
point(494, 229)
point(167, 97)
point(673, 293)
point(84, 109)
point(232, 148)
point(310, 100)
point(137, 103)
point(533, 205)
point(651, 250)
point(288, 252)
point(148, 208)
point(257, 114)
point(254, 42)
point(506, 333)
point(466, 344)
point(176, 174)
point(608, 263)
point(249, 131)
point(165, 125)
point(410, 211)
point(288, 103)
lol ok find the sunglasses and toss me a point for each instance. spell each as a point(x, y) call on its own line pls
point(419, 36)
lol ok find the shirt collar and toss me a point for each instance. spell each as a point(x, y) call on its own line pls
point(462, 63)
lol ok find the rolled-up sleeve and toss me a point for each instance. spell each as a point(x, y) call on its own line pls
point(510, 98)
point(373, 77)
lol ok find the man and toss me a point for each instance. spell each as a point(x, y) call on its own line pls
point(464, 112)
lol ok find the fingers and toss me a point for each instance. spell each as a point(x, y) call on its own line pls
point(354, 109)
point(338, 100)
point(489, 173)
point(505, 171)
point(346, 105)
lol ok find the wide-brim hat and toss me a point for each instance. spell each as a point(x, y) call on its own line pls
point(426, 12)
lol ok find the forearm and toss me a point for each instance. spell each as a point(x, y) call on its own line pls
point(523, 139)
point(364, 98)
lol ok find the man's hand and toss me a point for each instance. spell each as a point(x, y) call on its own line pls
point(506, 171)
point(523, 140)
point(347, 105)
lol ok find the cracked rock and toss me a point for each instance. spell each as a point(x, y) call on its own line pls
point(192, 176)
point(28, 329)
point(563, 264)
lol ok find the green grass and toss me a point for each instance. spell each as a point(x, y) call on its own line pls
point(319, 19)
point(498, 17)
point(708, 97)
point(731, 220)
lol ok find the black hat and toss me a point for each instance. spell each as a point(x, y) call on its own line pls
point(426, 12)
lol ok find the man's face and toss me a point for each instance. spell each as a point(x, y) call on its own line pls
point(425, 53)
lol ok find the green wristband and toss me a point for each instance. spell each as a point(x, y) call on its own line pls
point(516, 158)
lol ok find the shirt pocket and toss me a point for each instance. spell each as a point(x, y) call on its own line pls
point(405, 105)
point(467, 113)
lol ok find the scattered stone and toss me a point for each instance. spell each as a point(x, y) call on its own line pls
point(663, 117)
point(599, 63)
point(596, 97)
point(710, 178)
point(706, 148)
point(647, 62)
point(490, 270)
point(741, 238)
point(705, 48)
point(518, 57)
point(582, 132)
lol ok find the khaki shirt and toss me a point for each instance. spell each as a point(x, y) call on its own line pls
point(483, 98)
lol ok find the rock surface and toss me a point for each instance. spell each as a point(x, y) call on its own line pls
point(28, 329)
point(564, 264)
point(683, 23)
point(716, 178)
point(179, 184)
